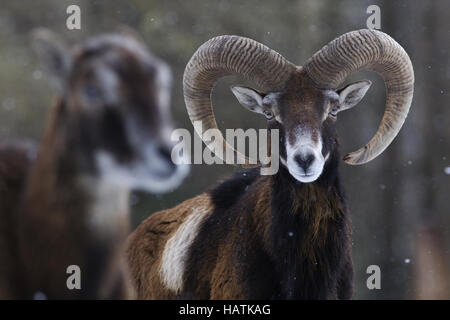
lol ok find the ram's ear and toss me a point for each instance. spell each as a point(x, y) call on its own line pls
point(352, 94)
point(249, 98)
point(54, 55)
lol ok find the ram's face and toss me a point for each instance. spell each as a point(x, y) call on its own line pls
point(306, 117)
point(124, 93)
point(117, 98)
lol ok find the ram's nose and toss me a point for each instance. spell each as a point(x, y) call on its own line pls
point(304, 160)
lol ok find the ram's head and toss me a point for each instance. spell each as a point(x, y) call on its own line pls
point(303, 101)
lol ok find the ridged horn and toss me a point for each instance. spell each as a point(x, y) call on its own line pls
point(227, 55)
point(376, 51)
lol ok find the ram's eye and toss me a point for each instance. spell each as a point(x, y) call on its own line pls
point(334, 111)
point(268, 114)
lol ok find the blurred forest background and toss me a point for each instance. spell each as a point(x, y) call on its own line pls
point(399, 202)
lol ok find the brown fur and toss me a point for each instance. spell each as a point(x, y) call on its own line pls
point(47, 233)
point(146, 243)
point(14, 165)
point(219, 275)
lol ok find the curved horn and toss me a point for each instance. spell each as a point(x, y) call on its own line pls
point(222, 56)
point(372, 50)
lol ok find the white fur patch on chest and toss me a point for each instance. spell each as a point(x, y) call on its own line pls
point(108, 208)
point(176, 250)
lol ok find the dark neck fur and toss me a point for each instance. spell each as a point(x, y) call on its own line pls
point(308, 232)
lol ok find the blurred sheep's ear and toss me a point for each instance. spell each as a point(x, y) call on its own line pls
point(54, 55)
